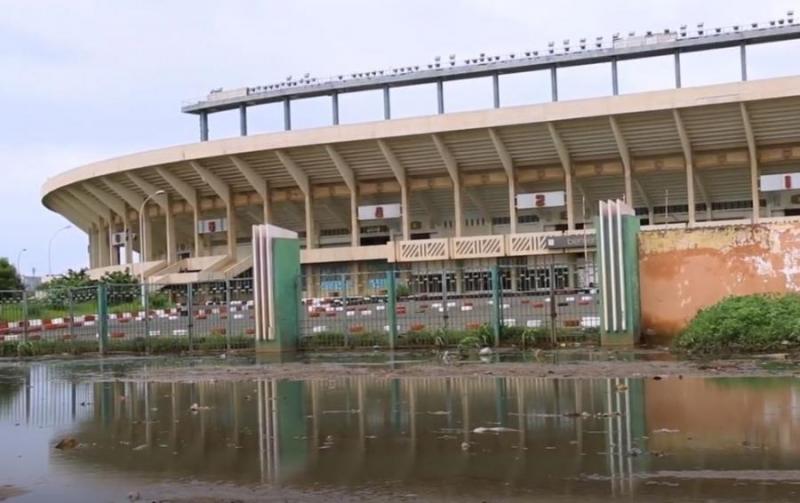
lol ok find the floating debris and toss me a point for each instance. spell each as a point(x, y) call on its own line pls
point(493, 429)
point(67, 443)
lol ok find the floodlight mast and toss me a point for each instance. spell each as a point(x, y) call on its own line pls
point(653, 43)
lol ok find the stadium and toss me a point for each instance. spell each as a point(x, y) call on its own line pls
point(456, 192)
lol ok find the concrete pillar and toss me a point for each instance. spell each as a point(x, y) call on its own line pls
point(104, 243)
point(203, 126)
point(570, 201)
point(128, 244)
point(92, 248)
point(198, 243)
point(459, 209)
point(440, 96)
point(754, 195)
point(243, 120)
point(113, 251)
point(149, 239)
point(406, 209)
point(743, 60)
point(554, 83)
point(232, 227)
point(355, 227)
point(387, 104)
point(677, 69)
point(311, 231)
point(287, 114)
point(496, 90)
point(690, 190)
point(169, 231)
point(335, 108)
point(614, 78)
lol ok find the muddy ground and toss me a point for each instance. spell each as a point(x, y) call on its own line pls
point(651, 364)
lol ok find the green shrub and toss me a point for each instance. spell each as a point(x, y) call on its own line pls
point(761, 322)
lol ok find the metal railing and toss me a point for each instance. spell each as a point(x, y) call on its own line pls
point(128, 318)
point(541, 302)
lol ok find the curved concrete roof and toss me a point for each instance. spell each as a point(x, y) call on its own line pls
point(645, 119)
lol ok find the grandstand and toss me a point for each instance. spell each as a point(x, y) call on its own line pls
point(452, 191)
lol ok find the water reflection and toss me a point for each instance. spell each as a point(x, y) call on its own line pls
point(444, 437)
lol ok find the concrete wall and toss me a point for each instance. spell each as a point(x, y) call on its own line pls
point(684, 270)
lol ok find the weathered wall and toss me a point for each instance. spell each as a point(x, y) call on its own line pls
point(684, 270)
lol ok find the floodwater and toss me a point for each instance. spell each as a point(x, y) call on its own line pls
point(362, 438)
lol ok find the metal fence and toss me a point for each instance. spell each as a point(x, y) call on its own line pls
point(150, 318)
point(544, 302)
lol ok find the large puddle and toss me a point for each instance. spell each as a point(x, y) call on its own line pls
point(365, 438)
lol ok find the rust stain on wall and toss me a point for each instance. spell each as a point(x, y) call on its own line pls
point(684, 270)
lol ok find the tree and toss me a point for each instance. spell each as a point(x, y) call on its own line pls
point(9, 279)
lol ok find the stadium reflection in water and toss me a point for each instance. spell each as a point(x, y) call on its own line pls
point(437, 437)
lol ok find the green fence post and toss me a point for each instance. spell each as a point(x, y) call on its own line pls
point(24, 315)
point(102, 317)
point(189, 309)
point(229, 328)
point(146, 308)
point(392, 306)
point(496, 299)
point(71, 323)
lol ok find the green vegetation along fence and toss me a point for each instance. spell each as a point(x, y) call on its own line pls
point(128, 317)
point(546, 303)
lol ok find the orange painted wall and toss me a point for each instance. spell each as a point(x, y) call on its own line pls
point(684, 270)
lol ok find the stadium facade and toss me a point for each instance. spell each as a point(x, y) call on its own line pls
point(453, 191)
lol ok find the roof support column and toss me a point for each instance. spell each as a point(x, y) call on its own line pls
point(203, 126)
point(553, 83)
point(677, 69)
point(743, 60)
point(452, 168)
point(751, 147)
point(387, 104)
point(287, 114)
point(614, 78)
point(508, 166)
point(302, 181)
point(625, 155)
point(128, 244)
point(496, 90)
point(440, 96)
point(243, 119)
point(172, 245)
point(224, 192)
point(566, 164)
point(335, 107)
point(399, 174)
point(92, 233)
point(687, 154)
point(103, 243)
point(350, 180)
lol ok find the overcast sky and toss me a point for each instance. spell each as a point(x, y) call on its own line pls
point(81, 81)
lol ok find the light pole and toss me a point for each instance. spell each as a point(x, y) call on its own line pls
point(143, 242)
point(50, 249)
point(19, 257)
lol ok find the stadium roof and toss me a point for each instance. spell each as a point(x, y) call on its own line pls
point(718, 120)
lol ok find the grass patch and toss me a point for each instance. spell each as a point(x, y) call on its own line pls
point(748, 323)
point(138, 345)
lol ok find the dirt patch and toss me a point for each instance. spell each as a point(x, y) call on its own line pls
point(8, 491)
point(537, 368)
